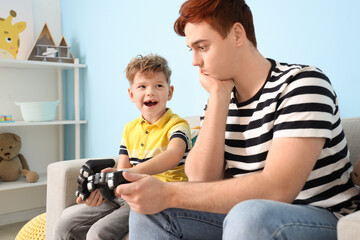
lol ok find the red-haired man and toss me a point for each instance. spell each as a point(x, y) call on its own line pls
point(271, 159)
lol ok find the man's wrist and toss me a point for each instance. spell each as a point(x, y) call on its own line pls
point(171, 194)
point(222, 99)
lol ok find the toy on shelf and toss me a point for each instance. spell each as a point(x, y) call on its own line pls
point(6, 118)
point(12, 163)
point(45, 49)
point(50, 51)
point(61, 53)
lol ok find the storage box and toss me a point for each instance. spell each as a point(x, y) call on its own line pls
point(38, 111)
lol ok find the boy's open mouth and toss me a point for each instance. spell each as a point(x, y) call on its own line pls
point(150, 103)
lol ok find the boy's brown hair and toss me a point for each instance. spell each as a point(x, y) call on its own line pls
point(220, 14)
point(147, 65)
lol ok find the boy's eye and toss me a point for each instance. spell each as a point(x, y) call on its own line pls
point(141, 86)
point(159, 85)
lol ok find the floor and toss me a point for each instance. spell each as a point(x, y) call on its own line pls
point(9, 232)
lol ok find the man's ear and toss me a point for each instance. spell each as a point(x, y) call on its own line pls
point(131, 95)
point(171, 91)
point(239, 33)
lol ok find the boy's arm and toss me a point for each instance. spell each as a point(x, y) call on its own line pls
point(163, 161)
point(124, 162)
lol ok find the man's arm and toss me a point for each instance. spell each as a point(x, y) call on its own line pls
point(164, 161)
point(205, 161)
point(288, 165)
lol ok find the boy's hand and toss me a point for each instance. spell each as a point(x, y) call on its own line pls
point(94, 200)
point(145, 195)
point(216, 86)
point(108, 170)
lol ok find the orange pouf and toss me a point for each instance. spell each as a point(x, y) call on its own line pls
point(34, 229)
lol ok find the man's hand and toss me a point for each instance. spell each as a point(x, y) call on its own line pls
point(216, 86)
point(145, 194)
point(205, 161)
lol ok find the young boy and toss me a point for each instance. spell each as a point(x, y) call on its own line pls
point(155, 143)
point(275, 128)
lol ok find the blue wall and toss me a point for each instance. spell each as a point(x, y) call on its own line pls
point(106, 35)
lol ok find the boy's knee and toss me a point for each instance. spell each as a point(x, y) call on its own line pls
point(62, 229)
point(94, 233)
point(66, 225)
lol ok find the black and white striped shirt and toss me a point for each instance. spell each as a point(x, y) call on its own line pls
point(295, 101)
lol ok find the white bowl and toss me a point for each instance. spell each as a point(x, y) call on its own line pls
point(38, 111)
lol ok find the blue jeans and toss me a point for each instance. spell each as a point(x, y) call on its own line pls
point(252, 219)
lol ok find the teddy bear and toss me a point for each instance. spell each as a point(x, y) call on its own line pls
point(12, 162)
point(355, 174)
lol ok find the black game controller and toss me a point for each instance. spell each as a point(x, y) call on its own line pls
point(92, 178)
point(91, 167)
point(106, 183)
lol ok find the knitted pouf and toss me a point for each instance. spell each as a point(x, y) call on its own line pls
point(34, 229)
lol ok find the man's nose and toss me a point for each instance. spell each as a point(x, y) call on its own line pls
point(196, 60)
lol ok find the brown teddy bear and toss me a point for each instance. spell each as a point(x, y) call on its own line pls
point(355, 174)
point(12, 162)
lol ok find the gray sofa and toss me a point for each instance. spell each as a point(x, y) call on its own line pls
point(62, 184)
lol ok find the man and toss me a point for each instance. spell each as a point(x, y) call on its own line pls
point(274, 128)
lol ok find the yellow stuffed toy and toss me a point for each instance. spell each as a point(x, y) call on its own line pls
point(355, 174)
point(12, 162)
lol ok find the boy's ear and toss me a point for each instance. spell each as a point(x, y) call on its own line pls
point(171, 91)
point(131, 95)
point(239, 33)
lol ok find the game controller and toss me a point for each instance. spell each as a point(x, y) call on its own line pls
point(106, 183)
point(92, 178)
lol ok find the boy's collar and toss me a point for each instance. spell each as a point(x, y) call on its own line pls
point(161, 122)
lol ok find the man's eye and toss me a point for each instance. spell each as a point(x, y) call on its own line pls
point(202, 48)
point(141, 86)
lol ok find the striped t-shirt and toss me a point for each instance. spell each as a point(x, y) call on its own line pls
point(141, 141)
point(295, 101)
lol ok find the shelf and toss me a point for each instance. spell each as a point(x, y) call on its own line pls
point(22, 183)
point(23, 123)
point(32, 196)
point(11, 63)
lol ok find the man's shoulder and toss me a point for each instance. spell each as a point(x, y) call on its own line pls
point(288, 73)
point(280, 68)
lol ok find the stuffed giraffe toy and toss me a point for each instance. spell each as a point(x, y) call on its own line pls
point(9, 36)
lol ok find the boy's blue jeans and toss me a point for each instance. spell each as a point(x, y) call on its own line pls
point(252, 219)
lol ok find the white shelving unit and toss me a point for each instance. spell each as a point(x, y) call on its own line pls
point(12, 192)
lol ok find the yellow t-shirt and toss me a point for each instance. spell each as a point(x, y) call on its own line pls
point(141, 141)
